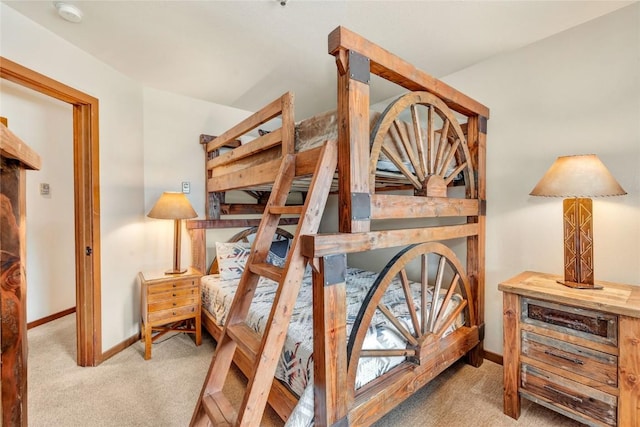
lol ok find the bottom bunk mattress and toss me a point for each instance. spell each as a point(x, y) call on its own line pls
point(295, 365)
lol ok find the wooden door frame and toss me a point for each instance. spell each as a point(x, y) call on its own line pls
point(86, 203)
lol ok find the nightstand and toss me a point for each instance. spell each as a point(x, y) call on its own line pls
point(575, 351)
point(169, 302)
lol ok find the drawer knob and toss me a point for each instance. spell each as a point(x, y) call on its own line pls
point(174, 304)
point(562, 393)
point(174, 295)
point(174, 313)
point(562, 356)
point(174, 285)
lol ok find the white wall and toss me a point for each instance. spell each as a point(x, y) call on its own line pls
point(121, 163)
point(47, 125)
point(575, 93)
point(173, 154)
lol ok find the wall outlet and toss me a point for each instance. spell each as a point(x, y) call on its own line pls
point(186, 187)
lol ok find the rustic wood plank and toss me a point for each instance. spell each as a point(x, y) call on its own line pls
point(12, 147)
point(393, 68)
point(388, 206)
point(612, 298)
point(231, 223)
point(476, 245)
point(270, 111)
point(629, 371)
point(353, 146)
point(198, 248)
point(332, 396)
point(511, 353)
point(13, 287)
point(336, 243)
point(258, 145)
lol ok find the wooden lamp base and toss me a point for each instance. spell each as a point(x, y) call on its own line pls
point(578, 243)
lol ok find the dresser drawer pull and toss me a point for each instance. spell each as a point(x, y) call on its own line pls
point(174, 295)
point(562, 356)
point(562, 393)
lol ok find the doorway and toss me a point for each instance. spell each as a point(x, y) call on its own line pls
point(86, 203)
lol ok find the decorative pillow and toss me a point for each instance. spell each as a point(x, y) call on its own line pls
point(278, 252)
point(232, 258)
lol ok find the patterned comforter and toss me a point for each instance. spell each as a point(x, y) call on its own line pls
point(295, 367)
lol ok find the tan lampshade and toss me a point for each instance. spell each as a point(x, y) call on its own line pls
point(578, 176)
point(172, 206)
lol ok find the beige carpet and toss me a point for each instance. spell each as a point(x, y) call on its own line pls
point(126, 390)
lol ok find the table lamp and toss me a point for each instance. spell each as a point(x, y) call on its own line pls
point(578, 178)
point(174, 206)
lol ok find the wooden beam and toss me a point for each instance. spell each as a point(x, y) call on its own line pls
point(391, 67)
point(320, 245)
point(385, 206)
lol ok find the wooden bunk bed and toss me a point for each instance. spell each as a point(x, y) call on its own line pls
point(434, 137)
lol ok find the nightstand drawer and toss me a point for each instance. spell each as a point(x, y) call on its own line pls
point(592, 364)
point(563, 394)
point(589, 324)
point(172, 303)
point(175, 293)
point(173, 285)
point(172, 314)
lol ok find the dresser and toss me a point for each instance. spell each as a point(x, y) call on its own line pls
point(169, 302)
point(575, 351)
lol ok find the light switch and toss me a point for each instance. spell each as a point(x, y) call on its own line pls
point(44, 189)
point(186, 187)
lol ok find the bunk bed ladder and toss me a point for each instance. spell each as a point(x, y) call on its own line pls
point(213, 407)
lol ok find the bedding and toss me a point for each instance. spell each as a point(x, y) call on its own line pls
point(295, 367)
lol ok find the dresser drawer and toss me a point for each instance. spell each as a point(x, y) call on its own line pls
point(563, 394)
point(173, 314)
point(172, 303)
point(592, 364)
point(172, 285)
point(172, 294)
point(589, 324)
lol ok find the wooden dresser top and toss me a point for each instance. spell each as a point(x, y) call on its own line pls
point(613, 297)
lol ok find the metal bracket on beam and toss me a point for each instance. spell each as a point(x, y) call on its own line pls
point(360, 206)
point(359, 68)
point(482, 124)
point(335, 269)
point(483, 208)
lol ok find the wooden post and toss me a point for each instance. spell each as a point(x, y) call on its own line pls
point(476, 140)
point(511, 355)
point(331, 394)
point(15, 158)
point(629, 371)
point(353, 141)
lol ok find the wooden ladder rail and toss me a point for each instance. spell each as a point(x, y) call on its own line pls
point(212, 406)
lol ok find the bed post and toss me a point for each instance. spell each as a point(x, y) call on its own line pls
point(353, 135)
point(332, 396)
point(476, 139)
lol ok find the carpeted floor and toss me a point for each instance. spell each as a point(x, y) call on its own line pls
point(126, 390)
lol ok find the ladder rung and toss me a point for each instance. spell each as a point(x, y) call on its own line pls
point(219, 409)
point(245, 338)
point(286, 210)
point(267, 270)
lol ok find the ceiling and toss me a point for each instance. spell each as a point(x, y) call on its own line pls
point(246, 53)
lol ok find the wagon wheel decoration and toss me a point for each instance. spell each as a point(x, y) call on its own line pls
point(420, 135)
point(406, 307)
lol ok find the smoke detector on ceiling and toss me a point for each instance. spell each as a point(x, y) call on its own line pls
point(68, 11)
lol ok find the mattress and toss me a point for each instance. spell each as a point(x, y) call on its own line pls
point(295, 366)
